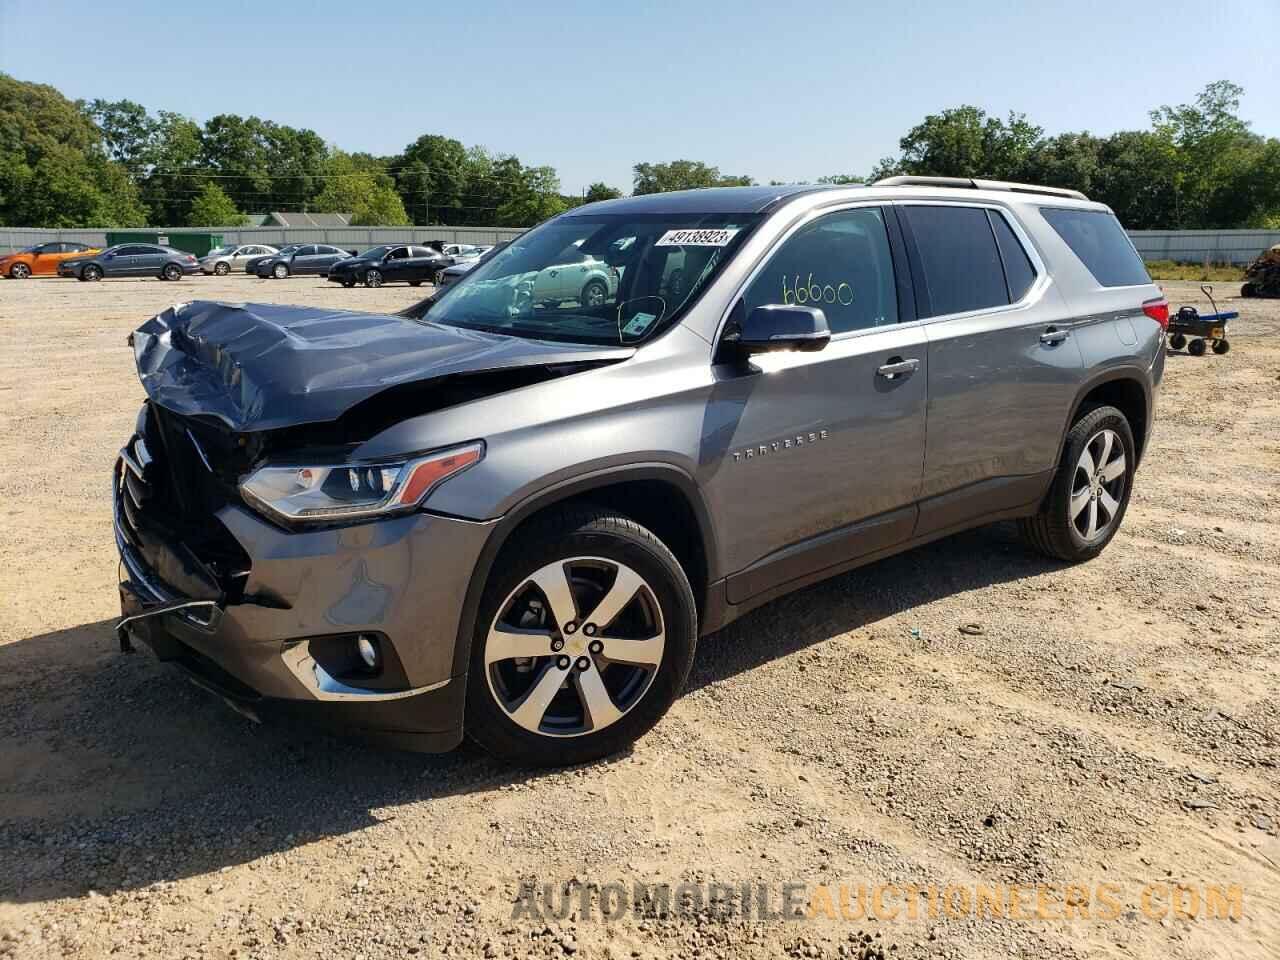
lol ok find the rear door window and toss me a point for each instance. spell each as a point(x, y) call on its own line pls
point(1019, 274)
point(960, 260)
point(1096, 237)
point(840, 263)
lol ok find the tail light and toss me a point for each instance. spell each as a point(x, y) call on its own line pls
point(1158, 310)
point(191, 258)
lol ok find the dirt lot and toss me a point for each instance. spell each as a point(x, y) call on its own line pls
point(1111, 724)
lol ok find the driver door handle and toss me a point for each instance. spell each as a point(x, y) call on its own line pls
point(1054, 335)
point(897, 367)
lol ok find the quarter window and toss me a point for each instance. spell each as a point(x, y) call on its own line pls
point(1096, 237)
point(961, 264)
point(841, 264)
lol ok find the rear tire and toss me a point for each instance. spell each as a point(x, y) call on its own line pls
point(1249, 290)
point(1082, 497)
point(1196, 347)
point(1220, 347)
point(1177, 341)
point(595, 699)
point(171, 272)
point(594, 294)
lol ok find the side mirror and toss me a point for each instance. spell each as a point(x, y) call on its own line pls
point(775, 327)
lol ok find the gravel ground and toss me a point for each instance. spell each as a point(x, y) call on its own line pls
point(1113, 723)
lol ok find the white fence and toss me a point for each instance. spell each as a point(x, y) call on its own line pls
point(15, 238)
point(1189, 246)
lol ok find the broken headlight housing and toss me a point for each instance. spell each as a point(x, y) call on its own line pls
point(335, 492)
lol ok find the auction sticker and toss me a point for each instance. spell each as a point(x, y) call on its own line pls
point(697, 238)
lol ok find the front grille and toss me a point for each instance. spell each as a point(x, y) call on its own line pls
point(169, 497)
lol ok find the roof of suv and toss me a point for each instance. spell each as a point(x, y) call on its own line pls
point(764, 199)
point(707, 200)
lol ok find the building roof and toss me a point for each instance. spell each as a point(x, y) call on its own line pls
point(296, 218)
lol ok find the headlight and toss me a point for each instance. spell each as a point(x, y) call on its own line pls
point(342, 491)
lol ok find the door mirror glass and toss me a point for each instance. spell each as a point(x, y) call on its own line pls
point(776, 326)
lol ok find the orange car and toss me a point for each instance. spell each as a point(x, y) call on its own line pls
point(41, 260)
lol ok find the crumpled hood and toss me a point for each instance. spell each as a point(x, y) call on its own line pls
point(258, 366)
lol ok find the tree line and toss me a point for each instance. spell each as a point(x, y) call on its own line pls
point(102, 163)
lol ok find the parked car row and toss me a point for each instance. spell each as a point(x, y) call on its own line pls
point(388, 263)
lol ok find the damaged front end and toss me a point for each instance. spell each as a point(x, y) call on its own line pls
point(257, 592)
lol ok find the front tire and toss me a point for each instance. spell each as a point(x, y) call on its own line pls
point(1196, 347)
point(1090, 493)
point(20, 271)
point(1177, 341)
point(548, 685)
point(1221, 346)
point(373, 278)
point(221, 269)
point(91, 273)
point(280, 271)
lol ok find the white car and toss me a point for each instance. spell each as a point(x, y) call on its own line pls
point(584, 280)
point(222, 260)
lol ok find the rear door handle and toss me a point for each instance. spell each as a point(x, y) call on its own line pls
point(897, 367)
point(1053, 335)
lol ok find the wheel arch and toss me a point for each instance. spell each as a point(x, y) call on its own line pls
point(659, 496)
point(1126, 389)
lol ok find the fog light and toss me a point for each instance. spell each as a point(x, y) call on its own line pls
point(368, 648)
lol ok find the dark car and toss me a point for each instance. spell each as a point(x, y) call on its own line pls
point(308, 258)
point(390, 263)
point(452, 274)
point(131, 260)
point(251, 264)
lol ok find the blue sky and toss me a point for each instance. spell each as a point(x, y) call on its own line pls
point(787, 91)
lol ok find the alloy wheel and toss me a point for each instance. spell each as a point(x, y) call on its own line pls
point(558, 671)
point(594, 295)
point(1098, 486)
point(221, 268)
point(19, 271)
point(373, 278)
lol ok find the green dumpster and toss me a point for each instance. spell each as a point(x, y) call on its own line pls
point(197, 243)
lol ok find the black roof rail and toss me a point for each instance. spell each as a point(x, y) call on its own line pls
point(969, 183)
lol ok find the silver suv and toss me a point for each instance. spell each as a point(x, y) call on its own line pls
point(513, 516)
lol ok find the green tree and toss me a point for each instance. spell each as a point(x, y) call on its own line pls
point(127, 129)
point(965, 142)
point(531, 197)
point(681, 175)
point(213, 208)
point(431, 177)
point(841, 178)
point(380, 207)
point(601, 191)
point(54, 167)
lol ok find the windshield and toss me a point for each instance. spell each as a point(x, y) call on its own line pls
point(377, 253)
point(607, 279)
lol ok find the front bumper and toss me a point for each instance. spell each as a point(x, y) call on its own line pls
point(402, 579)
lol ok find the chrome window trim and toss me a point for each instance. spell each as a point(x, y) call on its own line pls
point(805, 218)
point(1035, 293)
